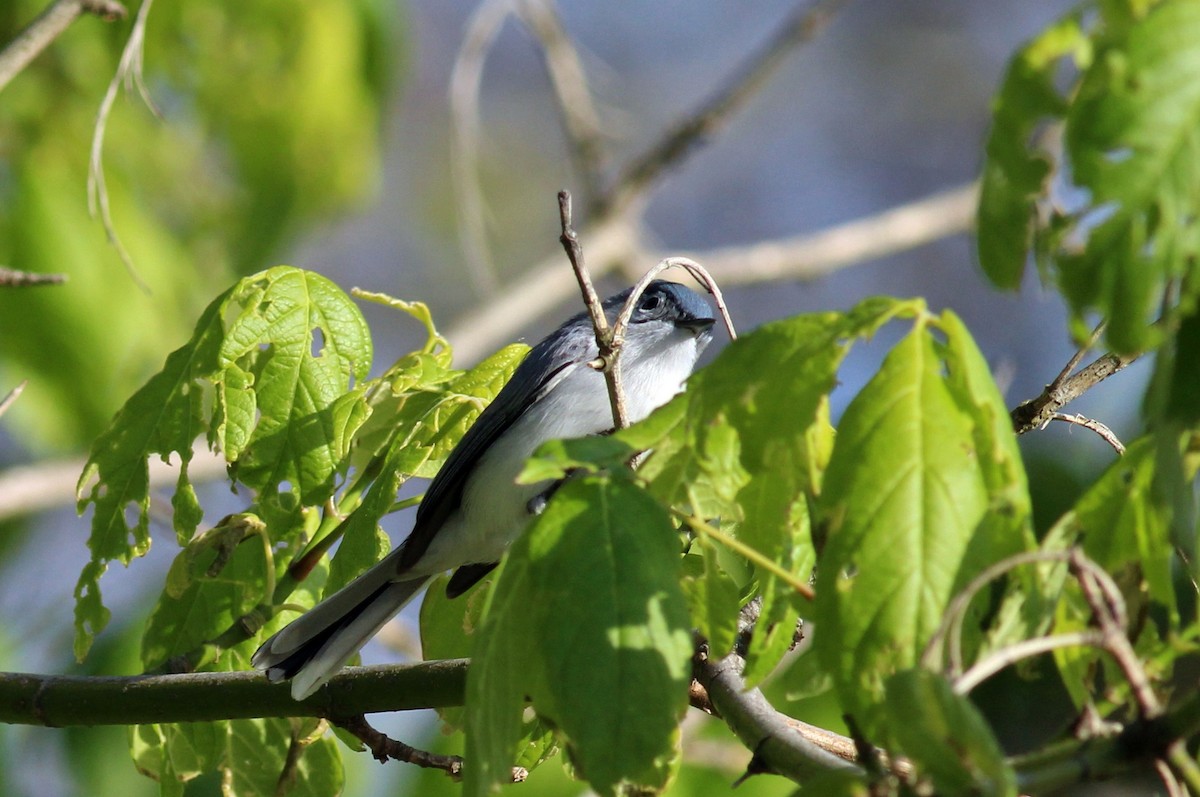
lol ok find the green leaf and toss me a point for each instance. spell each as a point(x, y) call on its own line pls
point(1124, 527)
point(946, 738)
point(277, 353)
point(903, 497)
point(252, 756)
point(1014, 175)
point(604, 654)
point(1133, 136)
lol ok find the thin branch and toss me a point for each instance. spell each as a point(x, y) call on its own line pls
point(757, 558)
point(607, 343)
point(581, 122)
point(47, 27)
point(1038, 412)
point(64, 700)
point(482, 29)
point(383, 748)
point(946, 642)
point(618, 238)
point(12, 396)
point(698, 272)
point(28, 489)
point(775, 739)
point(129, 68)
point(1096, 426)
point(11, 278)
point(1108, 608)
point(801, 25)
point(1011, 654)
point(814, 255)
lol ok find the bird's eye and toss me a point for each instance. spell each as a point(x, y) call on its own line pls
point(650, 303)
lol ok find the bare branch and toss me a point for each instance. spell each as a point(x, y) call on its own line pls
point(33, 488)
point(544, 288)
point(68, 700)
point(580, 121)
point(8, 400)
point(129, 68)
point(383, 748)
point(47, 27)
point(1011, 654)
point(1037, 412)
point(11, 278)
point(801, 25)
point(465, 79)
point(607, 342)
point(785, 746)
point(814, 255)
point(1095, 426)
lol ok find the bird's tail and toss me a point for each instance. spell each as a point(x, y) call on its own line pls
point(314, 646)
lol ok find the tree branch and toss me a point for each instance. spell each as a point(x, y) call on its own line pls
point(11, 278)
point(805, 22)
point(580, 121)
point(1101, 429)
point(779, 743)
point(63, 700)
point(33, 488)
point(47, 27)
point(1039, 411)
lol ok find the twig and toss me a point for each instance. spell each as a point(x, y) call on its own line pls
point(754, 556)
point(697, 271)
point(607, 342)
point(581, 122)
point(776, 740)
point(11, 278)
point(1095, 426)
point(33, 488)
point(1019, 651)
point(8, 400)
point(946, 642)
point(1037, 412)
point(801, 25)
point(465, 79)
point(1104, 599)
point(47, 27)
point(814, 255)
point(129, 68)
point(382, 748)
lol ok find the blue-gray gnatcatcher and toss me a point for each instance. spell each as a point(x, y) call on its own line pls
point(474, 508)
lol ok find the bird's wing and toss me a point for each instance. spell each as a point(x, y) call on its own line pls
point(543, 368)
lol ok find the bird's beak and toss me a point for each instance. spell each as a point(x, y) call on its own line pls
point(697, 326)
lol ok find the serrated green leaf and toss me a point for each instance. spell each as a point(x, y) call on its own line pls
point(903, 497)
point(296, 344)
point(604, 654)
point(1014, 175)
point(1124, 526)
point(945, 736)
point(281, 410)
point(1133, 135)
point(208, 603)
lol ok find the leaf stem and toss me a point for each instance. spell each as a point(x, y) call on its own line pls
point(737, 546)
